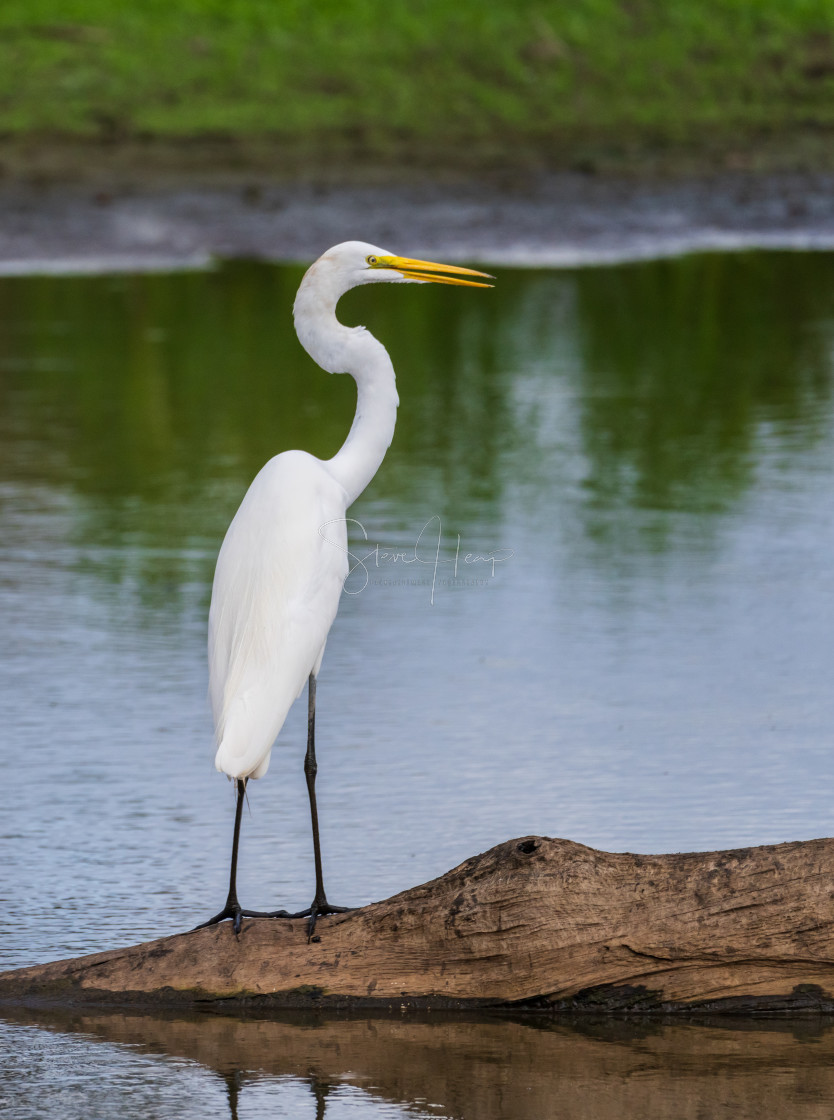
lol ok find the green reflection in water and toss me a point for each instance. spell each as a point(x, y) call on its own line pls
point(153, 400)
point(685, 360)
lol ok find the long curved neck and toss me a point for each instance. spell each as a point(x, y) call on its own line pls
point(353, 350)
point(370, 435)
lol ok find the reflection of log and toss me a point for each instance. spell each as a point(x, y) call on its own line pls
point(545, 922)
point(498, 1068)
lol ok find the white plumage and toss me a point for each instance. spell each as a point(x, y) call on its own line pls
point(284, 559)
point(276, 592)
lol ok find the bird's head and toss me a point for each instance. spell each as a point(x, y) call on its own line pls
point(352, 263)
point(347, 266)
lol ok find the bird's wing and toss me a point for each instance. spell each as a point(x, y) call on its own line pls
point(276, 591)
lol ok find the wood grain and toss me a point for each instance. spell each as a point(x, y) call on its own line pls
point(535, 922)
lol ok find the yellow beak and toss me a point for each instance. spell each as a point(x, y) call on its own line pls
point(431, 272)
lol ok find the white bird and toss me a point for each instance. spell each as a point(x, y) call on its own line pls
point(284, 559)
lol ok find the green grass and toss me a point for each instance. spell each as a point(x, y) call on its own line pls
point(487, 74)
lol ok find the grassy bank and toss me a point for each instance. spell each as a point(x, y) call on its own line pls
point(500, 80)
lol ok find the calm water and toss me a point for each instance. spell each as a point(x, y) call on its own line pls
point(393, 1068)
point(633, 467)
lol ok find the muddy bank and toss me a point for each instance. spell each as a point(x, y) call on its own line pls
point(565, 219)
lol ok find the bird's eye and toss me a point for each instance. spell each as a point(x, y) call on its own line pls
point(371, 260)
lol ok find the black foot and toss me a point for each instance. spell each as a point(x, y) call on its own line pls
point(319, 909)
point(237, 914)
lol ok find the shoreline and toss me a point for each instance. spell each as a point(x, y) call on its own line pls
point(132, 221)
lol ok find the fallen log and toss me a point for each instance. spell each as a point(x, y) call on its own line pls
point(533, 923)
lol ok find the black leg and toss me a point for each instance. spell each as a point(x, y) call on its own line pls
point(320, 904)
point(234, 1080)
point(311, 768)
point(233, 909)
point(321, 1090)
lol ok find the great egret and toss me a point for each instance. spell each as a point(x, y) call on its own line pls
point(284, 559)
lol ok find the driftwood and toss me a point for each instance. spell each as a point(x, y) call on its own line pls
point(533, 923)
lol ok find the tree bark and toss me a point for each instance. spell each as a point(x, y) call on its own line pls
point(534, 922)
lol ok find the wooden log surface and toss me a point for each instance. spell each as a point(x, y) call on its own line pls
point(535, 922)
